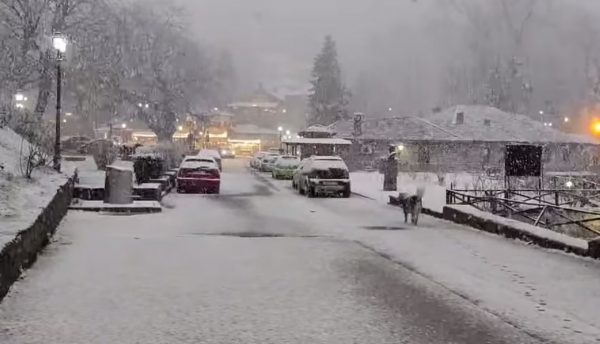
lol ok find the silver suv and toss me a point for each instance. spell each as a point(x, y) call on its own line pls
point(322, 175)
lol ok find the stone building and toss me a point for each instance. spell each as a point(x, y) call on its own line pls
point(463, 138)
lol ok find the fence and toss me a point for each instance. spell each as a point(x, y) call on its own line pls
point(569, 211)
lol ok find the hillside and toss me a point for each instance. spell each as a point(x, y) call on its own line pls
point(21, 199)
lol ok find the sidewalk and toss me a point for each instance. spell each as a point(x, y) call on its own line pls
point(540, 290)
point(370, 184)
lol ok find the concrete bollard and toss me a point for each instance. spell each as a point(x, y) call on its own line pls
point(118, 185)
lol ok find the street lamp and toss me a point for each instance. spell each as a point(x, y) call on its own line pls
point(280, 130)
point(59, 42)
point(124, 125)
point(19, 97)
point(566, 119)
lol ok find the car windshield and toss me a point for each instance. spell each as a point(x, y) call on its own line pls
point(300, 171)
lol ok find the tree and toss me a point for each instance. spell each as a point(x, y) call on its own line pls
point(328, 96)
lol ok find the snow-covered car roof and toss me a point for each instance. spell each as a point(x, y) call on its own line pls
point(199, 158)
point(197, 164)
point(326, 157)
point(287, 161)
point(210, 152)
point(327, 164)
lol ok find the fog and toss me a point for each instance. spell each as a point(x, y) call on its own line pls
point(408, 55)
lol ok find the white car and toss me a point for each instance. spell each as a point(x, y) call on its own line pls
point(322, 175)
point(267, 162)
point(256, 159)
point(213, 154)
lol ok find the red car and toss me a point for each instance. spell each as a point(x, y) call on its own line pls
point(198, 176)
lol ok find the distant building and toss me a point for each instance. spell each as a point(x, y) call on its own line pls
point(463, 138)
point(260, 108)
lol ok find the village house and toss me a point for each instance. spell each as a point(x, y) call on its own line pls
point(463, 138)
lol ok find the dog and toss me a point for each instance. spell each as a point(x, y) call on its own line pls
point(411, 204)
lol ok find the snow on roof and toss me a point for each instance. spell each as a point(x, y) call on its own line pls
point(503, 126)
point(317, 128)
point(315, 141)
point(253, 129)
point(394, 128)
point(263, 105)
point(442, 126)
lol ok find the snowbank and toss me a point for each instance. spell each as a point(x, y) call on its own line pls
point(21, 199)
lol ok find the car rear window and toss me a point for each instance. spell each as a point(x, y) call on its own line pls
point(197, 172)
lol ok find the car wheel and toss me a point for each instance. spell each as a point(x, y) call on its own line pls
point(300, 189)
point(310, 191)
point(180, 190)
point(346, 193)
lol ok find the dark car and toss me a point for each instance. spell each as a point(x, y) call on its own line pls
point(75, 143)
point(199, 177)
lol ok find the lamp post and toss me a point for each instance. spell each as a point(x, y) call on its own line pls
point(280, 130)
point(60, 44)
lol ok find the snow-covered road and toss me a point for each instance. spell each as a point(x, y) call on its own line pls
point(259, 264)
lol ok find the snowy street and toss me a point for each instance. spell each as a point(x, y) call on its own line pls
point(261, 264)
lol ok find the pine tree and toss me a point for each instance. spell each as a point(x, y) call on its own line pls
point(328, 96)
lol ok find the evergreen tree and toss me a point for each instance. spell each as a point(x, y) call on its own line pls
point(328, 96)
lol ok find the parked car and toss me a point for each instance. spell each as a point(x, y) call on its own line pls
point(200, 158)
point(227, 153)
point(256, 159)
point(198, 176)
point(75, 143)
point(266, 164)
point(322, 175)
point(285, 166)
point(213, 154)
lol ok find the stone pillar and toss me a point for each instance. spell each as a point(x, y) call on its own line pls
point(390, 172)
point(594, 248)
point(118, 185)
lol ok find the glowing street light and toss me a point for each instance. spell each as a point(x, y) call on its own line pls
point(20, 97)
point(124, 125)
point(59, 42)
point(287, 132)
point(147, 105)
point(390, 109)
point(180, 128)
point(566, 119)
point(569, 184)
point(280, 128)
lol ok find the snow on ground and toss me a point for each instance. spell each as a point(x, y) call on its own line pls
point(21, 200)
point(548, 294)
point(370, 184)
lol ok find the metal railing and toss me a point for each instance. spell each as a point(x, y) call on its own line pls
point(563, 210)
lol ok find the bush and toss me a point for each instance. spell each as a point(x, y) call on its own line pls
point(104, 153)
point(37, 143)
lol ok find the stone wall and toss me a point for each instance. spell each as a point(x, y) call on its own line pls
point(469, 156)
point(22, 251)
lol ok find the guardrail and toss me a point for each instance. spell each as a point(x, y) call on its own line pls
point(559, 210)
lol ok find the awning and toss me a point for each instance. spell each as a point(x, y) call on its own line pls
point(317, 141)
